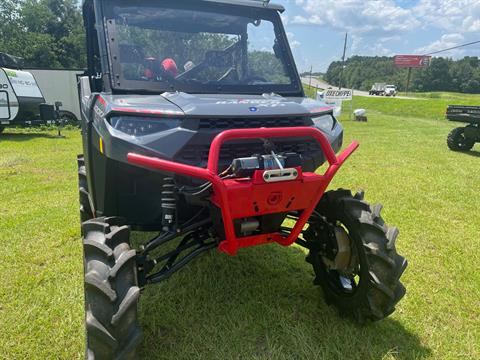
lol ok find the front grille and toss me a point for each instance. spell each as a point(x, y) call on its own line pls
point(252, 122)
point(198, 154)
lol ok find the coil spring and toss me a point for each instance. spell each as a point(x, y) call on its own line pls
point(169, 202)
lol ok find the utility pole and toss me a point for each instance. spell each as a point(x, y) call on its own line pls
point(343, 61)
point(408, 80)
point(310, 82)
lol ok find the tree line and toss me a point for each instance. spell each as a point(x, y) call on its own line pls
point(443, 74)
point(45, 33)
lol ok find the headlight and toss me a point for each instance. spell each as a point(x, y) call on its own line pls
point(324, 122)
point(140, 126)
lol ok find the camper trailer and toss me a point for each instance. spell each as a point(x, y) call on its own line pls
point(20, 96)
point(28, 96)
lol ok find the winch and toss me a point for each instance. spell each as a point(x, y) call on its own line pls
point(245, 167)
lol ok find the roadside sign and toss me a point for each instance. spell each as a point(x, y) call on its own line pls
point(335, 98)
point(332, 95)
point(411, 61)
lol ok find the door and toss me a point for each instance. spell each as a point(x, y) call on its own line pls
point(4, 107)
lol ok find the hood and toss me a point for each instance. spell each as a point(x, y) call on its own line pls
point(191, 105)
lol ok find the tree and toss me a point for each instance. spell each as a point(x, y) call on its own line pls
point(46, 33)
point(443, 74)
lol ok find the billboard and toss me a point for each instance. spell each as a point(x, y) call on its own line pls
point(411, 61)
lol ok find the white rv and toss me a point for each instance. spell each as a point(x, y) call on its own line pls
point(24, 92)
point(20, 97)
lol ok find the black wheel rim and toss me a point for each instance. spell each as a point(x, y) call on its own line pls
point(340, 283)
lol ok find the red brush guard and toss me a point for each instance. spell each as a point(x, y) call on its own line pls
point(253, 197)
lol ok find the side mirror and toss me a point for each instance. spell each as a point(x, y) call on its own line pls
point(85, 90)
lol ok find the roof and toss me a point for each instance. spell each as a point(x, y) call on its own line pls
point(249, 3)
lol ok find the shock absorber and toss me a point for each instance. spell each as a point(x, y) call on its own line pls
point(169, 204)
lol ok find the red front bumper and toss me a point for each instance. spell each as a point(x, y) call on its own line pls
point(244, 198)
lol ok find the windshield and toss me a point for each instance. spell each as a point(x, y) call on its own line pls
point(192, 48)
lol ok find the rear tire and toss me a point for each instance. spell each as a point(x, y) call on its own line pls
point(2, 128)
point(457, 141)
point(372, 288)
point(86, 212)
point(111, 291)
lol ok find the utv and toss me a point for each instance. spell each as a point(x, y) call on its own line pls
point(463, 138)
point(196, 128)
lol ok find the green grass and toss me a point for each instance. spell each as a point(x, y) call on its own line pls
point(261, 304)
point(429, 105)
point(444, 95)
point(433, 109)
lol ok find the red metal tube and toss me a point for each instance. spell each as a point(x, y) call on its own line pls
point(231, 244)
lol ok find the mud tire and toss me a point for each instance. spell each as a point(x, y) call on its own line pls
point(111, 291)
point(380, 266)
point(457, 141)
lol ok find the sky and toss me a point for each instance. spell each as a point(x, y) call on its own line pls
point(316, 28)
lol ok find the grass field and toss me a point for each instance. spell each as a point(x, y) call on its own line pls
point(261, 304)
point(428, 106)
point(443, 95)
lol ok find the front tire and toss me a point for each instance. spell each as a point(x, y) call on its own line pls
point(111, 291)
point(457, 141)
point(367, 286)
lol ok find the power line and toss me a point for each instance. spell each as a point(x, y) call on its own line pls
point(455, 47)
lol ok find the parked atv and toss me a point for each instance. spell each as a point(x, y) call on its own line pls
point(195, 126)
point(463, 138)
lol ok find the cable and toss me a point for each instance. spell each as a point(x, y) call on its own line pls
point(455, 47)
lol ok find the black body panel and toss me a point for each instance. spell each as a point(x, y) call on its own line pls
point(28, 110)
point(463, 113)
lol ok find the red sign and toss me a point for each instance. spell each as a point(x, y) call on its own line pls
point(411, 61)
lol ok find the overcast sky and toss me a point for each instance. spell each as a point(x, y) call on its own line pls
point(386, 27)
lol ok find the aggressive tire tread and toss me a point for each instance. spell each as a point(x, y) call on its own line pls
point(104, 250)
point(379, 289)
point(121, 262)
point(95, 283)
point(97, 329)
point(111, 291)
point(127, 303)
